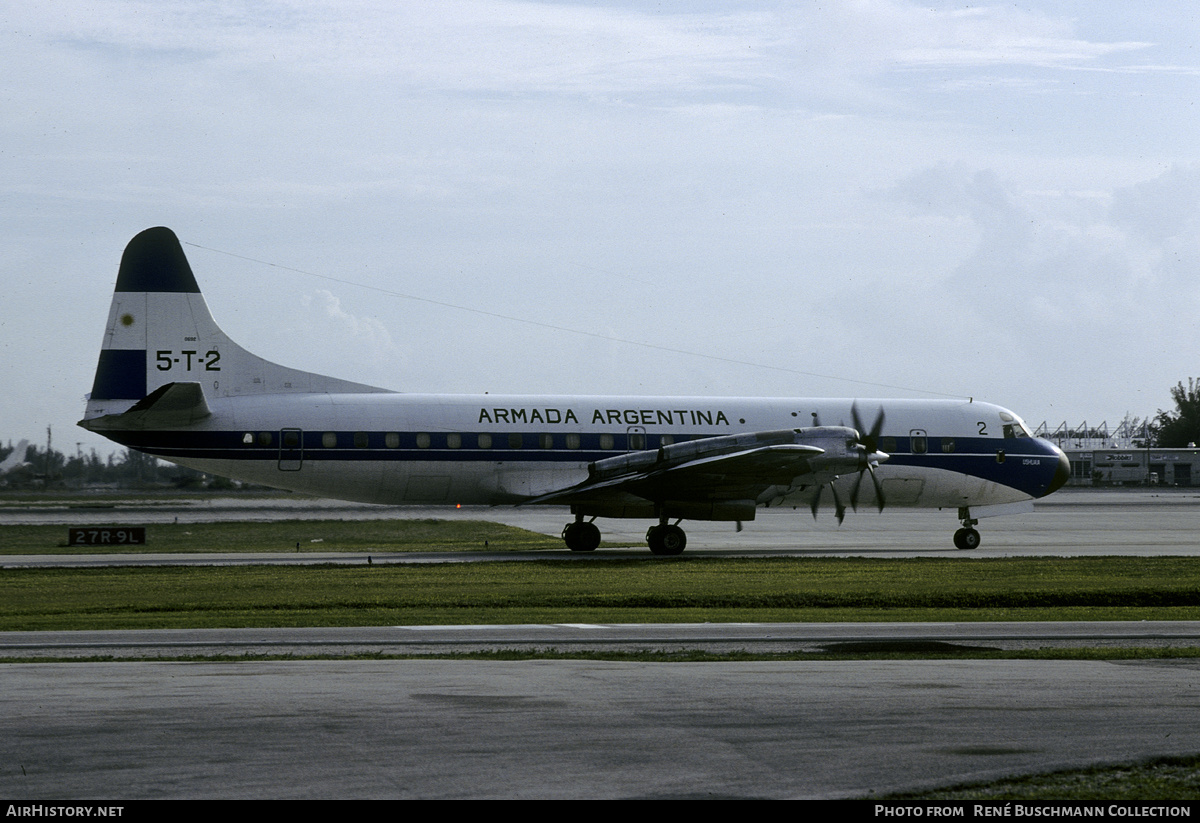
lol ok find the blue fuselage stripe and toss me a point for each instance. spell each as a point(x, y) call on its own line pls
point(1022, 463)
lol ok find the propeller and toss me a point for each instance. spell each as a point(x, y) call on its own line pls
point(869, 458)
point(870, 450)
point(838, 509)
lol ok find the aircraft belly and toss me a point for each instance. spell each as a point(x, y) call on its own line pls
point(522, 482)
point(913, 487)
point(359, 481)
point(943, 488)
point(471, 483)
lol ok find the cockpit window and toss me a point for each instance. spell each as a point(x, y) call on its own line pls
point(1015, 429)
point(1013, 426)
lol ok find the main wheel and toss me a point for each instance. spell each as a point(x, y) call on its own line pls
point(966, 539)
point(666, 540)
point(581, 537)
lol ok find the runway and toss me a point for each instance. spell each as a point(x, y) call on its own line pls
point(442, 729)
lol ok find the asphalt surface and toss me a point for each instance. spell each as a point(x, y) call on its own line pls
point(663, 637)
point(581, 729)
point(573, 729)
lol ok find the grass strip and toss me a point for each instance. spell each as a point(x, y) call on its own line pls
point(641, 589)
point(290, 536)
point(1164, 778)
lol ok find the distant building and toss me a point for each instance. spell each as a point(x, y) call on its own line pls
point(1116, 466)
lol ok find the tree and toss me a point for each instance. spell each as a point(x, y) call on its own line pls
point(1178, 429)
point(1138, 431)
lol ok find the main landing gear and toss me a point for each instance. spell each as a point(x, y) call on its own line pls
point(665, 539)
point(966, 537)
point(580, 536)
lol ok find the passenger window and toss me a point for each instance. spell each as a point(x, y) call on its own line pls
point(454, 441)
point(637, 440)
point(606, 441)
point(360, 440)
point(947, 445)
point(919, 445)
point(248, 438)
point(422, 441)
point(546, 441)
point(291, 439)
point(264, 438)
point(666, 440)
point(392, 440)
point(514, 441)
point(485, 441)
point(329, 440)
point(572, 441)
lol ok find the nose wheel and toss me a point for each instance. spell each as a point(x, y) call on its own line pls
point(966, 537)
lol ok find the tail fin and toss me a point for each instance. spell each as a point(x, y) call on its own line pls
point(160, 331)
point(16, 458)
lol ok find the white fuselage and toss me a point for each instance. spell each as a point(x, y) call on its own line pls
point(494, 449)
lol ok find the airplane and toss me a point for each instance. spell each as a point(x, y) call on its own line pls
point(171, 384)
point(15, 459)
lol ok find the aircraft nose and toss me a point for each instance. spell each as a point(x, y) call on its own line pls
point(1061, 474)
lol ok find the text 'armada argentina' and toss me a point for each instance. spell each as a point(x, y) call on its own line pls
point(615, 417)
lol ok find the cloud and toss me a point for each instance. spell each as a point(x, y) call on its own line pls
point(352, 342)
point(1163, 208)
point(1092, 290)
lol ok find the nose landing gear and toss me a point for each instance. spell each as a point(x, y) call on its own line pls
point(966, 537)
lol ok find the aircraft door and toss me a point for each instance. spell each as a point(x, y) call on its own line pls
point(918, 442)
point(635, 438)
point(291, 450)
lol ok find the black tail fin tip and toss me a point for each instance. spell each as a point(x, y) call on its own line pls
point(154, 262)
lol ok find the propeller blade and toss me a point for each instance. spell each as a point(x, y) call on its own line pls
point(870, 440)
point(858, 426)
point(878, 488)
point(839, 509)
point(869, 443)
point(854, 491)
point(877, 429)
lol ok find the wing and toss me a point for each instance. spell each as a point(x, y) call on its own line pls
point(733, 467)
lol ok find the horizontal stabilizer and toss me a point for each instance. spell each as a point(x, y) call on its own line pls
point(168, 406)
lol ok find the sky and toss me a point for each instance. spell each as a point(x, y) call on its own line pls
point(870, 198)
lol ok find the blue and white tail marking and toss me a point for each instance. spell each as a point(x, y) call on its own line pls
point(160, 331)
